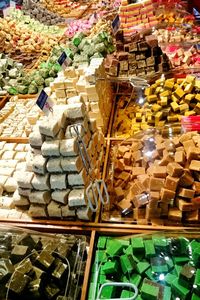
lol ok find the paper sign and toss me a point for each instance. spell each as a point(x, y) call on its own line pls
point(44, 103)
point(116, 24)
point(64, 60)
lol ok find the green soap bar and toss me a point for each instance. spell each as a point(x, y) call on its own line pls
point(179, 290)
point(169, 278)
point(128, 250)
point(127, 263)
point(194, 244)
point(184, 243)
point(124, 243)
point(197, 278)
point(115, 247)
point(167, 293)
point(139, 297)
point(126, 294)
point(196, 256)
point(101, 256)
point(149, 248)
point(142, 267)
point(110, 267)
point(181, 259)
point(102, 279)
point(178, 269)
point(135, 279)
point(160, 242)
point(102, 242)
point(137, 244)
point(108, 292)
point(149, 292)
point(170, 263)
point(195, 297)
point(149, 274)
point(158, 265)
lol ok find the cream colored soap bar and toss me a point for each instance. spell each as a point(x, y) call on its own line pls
point(69, 147)
point(77, 198)
point(41, 182)
point(51, 148)
point(40, 197)
point(60, 196)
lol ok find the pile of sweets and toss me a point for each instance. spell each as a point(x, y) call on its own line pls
point(35, 10)
point(180, 57)
point(165, 102)
point(159, 266)
point(157, 177)
point(12, 163)
point(176, 35)
point(82, 49)
point(136, 56)
point(35, 266)
point(136, 16)
point(19, 40)
point(88, 82)
point(18, 117)
point(55, 181)
point(176, 18)
point(66, 9)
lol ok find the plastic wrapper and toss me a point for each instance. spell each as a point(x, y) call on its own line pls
point(147, 266)
point(153, 177)
point(40, 266)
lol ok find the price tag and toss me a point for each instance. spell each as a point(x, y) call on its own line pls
point(44, 103)
point(64, 60)
point(116, 24)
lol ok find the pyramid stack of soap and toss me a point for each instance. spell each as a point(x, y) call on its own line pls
point(55, 181)
point(88, 82)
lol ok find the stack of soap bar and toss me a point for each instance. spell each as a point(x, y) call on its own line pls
point(156, 178)
point(88, 83)
point(175, 35)
point(137, 16)
point(136, 55)
point(161, 267)
point(37, 266)
point(54, 185)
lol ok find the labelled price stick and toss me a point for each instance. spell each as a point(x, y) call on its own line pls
point(44, 103)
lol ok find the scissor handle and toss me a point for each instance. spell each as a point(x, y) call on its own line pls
point(98, 183)
point(76, 129)
point(90, 201)
point(119, 284)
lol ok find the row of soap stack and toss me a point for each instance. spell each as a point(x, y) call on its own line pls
point(55, 182)
point(136, 16)
point(88, 82)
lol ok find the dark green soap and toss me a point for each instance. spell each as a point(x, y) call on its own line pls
point(167, 293)
point(137, 244)
point(142, 267)
point(195, 297)
point(102, 242)
point(149, 292)
point(127, 263)
point(158, 265)
point(111, 267)
point(169, 278)
point(115, 247)
point(149, 248)
point(197, 282)
point(101, 256)
point(169, 263)
point(132, 278)
point(101, 279)
point(126, 294)
point(181, 259)
point(196, 256)
point(108, 292)
point(180, 291)
point(160, 243)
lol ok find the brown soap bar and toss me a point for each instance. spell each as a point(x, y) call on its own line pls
point(171, 183)
point(138, 171)
point(184, 205)
point(156, 183)
point(160, 171)
point(186, 193)
point(195, 165)
point(186, 179)
point(180, 157)
point(167, 195)
point(175, 214)
point(174, 169)
point(196, 187)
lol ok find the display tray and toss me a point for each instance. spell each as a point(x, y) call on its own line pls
point(3, 100)
point(41, 265)
point(147, 263)
point(154, 206)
